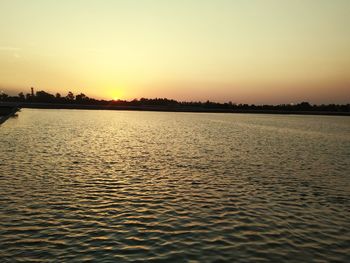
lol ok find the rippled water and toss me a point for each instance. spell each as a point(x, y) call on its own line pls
point(140, 186)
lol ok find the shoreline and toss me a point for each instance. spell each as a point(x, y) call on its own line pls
point(17, 106)
point(10, 112)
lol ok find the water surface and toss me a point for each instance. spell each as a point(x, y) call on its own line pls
point(139, 186)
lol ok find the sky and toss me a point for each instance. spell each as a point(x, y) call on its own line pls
point(244, 51)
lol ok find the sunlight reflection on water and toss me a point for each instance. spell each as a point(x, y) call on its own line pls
point(115, 185)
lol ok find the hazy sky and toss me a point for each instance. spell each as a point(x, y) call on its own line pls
point(249, 51)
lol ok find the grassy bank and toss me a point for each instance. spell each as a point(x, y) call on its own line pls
point(7, 112)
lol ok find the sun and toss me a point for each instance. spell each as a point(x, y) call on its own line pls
point(115, 94)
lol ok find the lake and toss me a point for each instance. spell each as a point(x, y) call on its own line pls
point(125, 186)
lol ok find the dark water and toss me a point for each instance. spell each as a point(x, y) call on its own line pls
point(142, 186)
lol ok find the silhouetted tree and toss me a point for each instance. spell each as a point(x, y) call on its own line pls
point(21, 96)
point(42, 96)
point(80, 97)
point(3, 96)
point(304, 105)
point(70, 96)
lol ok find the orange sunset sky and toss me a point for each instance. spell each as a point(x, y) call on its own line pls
point(272, 51)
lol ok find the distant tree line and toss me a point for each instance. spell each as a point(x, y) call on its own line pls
point(70, 98)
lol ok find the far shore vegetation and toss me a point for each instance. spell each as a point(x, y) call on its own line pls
point(81, 100)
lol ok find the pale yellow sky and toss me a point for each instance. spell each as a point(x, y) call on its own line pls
point(257, 51)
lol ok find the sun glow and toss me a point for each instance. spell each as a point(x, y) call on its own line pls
point(116, 94)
